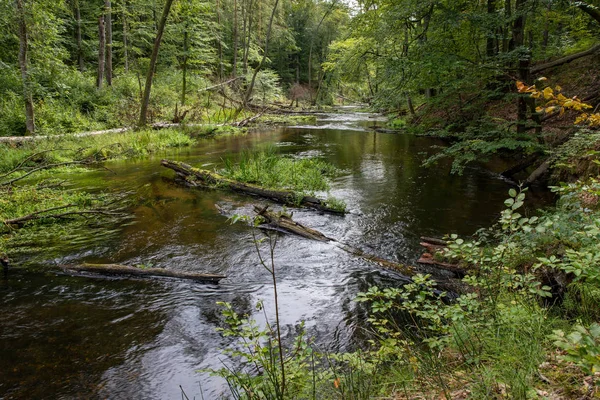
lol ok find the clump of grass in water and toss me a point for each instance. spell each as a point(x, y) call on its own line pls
point(274, 171)
point(271, 170)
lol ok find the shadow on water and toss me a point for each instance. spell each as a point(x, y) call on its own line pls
point(67, 337)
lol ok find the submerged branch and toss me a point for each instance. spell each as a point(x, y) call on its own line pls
point(126, 270)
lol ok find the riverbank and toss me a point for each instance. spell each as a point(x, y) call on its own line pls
point(149, 328)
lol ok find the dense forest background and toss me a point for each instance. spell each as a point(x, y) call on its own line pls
point(74, 65)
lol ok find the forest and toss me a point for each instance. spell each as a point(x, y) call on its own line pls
point(294, 199)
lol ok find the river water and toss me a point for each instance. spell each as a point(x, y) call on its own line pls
point(64, 337)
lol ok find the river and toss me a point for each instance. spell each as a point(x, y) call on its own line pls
point(64, 337)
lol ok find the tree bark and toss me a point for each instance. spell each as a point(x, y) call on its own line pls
point(152, 66)
point(248, 38)
point(262, 61)
point(490, 45)
point(235, 38)
point(219, 41)
point(184, 68)
point(101, 55)
point(108, 29)
point(125, 38)
point(24, 66)
point(524, 59)
point(78, 39)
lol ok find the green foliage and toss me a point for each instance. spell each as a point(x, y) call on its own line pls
point(582, 346)
point(271, 170)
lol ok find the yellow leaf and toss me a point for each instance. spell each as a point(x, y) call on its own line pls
point(336, 383)
point(548, 93)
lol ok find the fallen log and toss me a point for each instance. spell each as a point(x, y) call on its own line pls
point(198, 177)
point(564, 60)
point(126, 270)
point(436, 241)
point(286, 224)
point(432, 248)
point(428, 259)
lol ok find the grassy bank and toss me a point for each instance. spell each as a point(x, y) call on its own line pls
point(526, 327)
point(37, 208)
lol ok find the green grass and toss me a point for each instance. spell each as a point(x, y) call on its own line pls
point(271, 170)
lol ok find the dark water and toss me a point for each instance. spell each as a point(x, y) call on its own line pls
point(71, 337)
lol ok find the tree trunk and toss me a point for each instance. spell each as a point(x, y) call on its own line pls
point(152, 66)
point(411, 108)
point(524, 60)
point(219, 41)
point(78, 36)
point(101, 56)
point(108, 28)
point(125, 39)
point(507, 44)
point(184, 68)
point(24, 66)
point(248, 38)
point(262, 61)
point(490, 47)
point(235, 38)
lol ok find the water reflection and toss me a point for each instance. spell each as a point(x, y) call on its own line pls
point(65, 337)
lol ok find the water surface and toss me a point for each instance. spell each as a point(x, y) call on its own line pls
point(84, 337)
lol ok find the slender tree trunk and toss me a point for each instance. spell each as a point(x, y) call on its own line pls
point(24, 66)
point(506, 45)
point(411, 108)
point(524, 61)
point(262, 61)
point(184, 68)
point(235, 38)
point(152, 66)
point(248, 37)
point(125, 38)
point(101, 56)
point(312, 40)
point(219, 43)
point(491, 10)
point(108, 28)
point(78, 36)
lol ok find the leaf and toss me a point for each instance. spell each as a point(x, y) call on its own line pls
point(512, 193)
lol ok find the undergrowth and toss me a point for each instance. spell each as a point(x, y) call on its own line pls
point(525, 328)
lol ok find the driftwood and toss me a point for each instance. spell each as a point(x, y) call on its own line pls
point(286, 224)
point(125, 270)
point(436, 241)
point(199, 177)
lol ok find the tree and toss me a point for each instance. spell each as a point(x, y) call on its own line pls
point(24, 66)
point(153, 59)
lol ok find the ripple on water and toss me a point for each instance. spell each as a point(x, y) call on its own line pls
point(65, 337)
